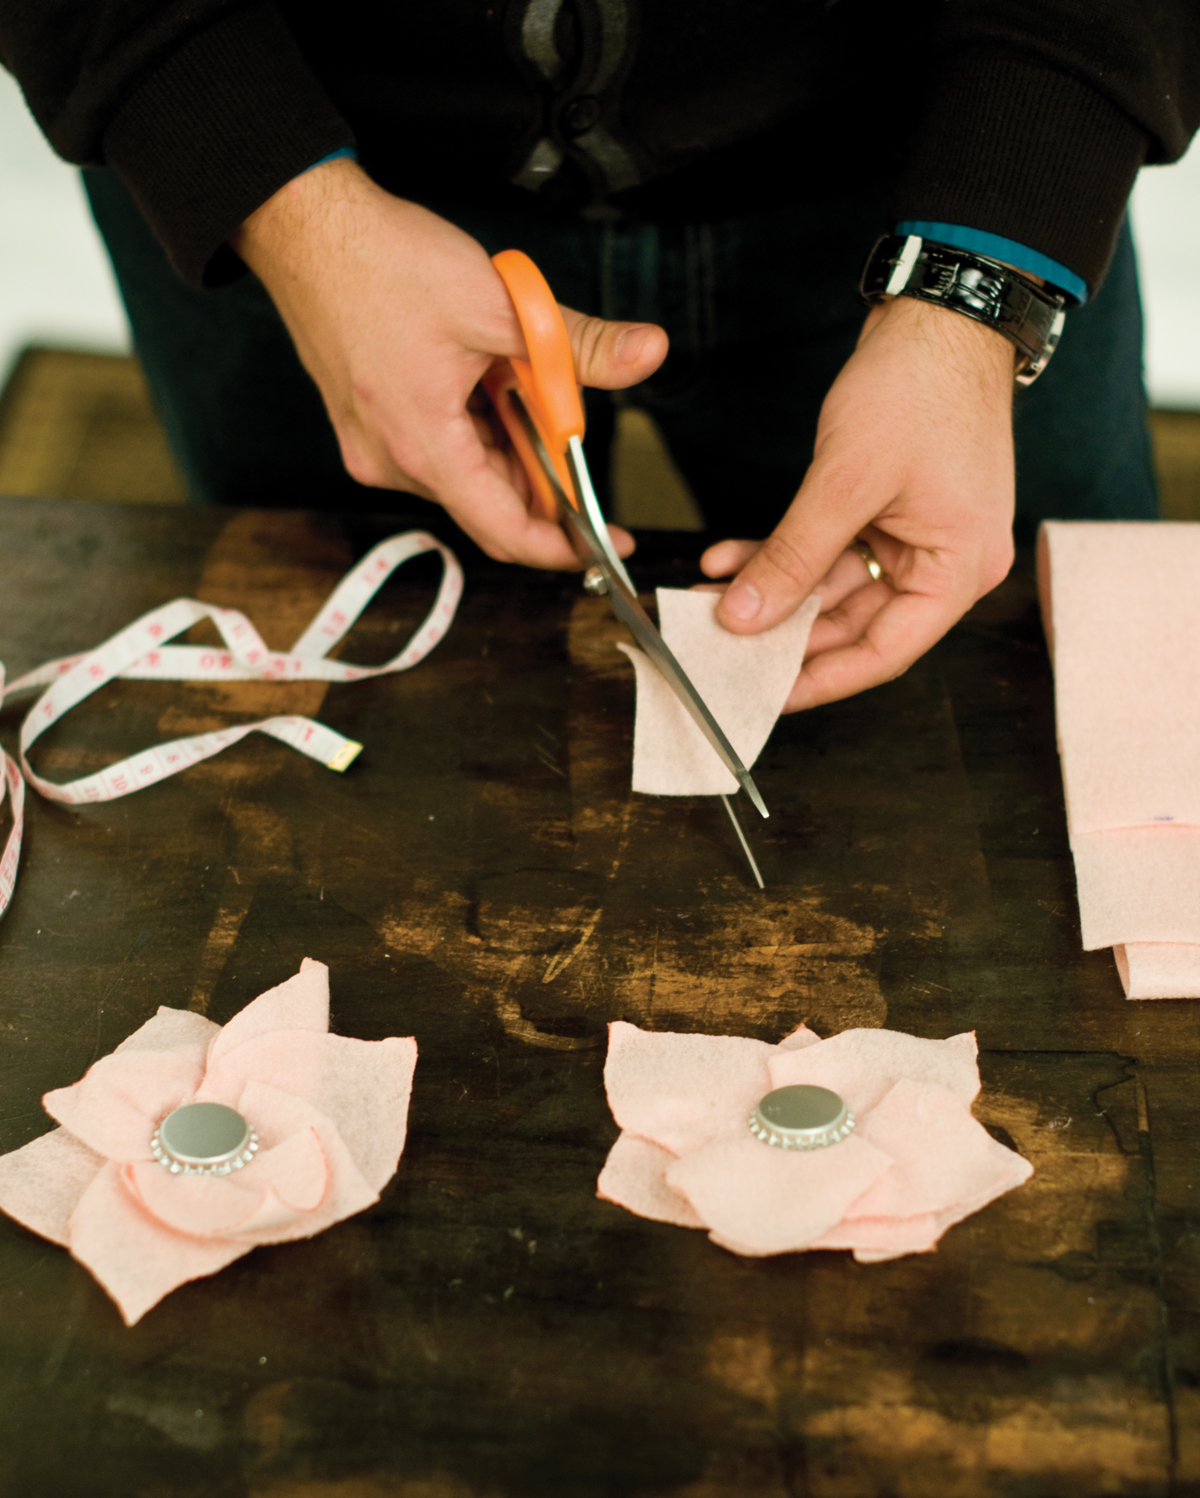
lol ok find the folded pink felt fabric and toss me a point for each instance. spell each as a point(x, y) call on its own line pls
point(744, 679)
point(329, 1117)
point(915, 1163)
point(1121, 605)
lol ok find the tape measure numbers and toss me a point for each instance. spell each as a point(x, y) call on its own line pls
point(141, 652)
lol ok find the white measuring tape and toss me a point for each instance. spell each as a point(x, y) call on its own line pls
point(140, 652)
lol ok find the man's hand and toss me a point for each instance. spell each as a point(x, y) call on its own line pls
point(914, 455)
point(397, 315)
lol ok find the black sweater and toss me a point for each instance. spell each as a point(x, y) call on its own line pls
point(1024, 118)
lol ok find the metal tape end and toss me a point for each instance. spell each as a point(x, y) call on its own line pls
point(345, 756)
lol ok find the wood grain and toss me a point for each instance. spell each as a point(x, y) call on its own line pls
point(484, 879)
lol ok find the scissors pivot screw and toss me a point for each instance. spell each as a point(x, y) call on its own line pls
point(595, 583)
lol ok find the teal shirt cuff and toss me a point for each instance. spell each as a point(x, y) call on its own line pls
point(1031, 261)
point(349, 151)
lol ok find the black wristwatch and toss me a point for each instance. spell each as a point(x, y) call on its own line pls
point(1029, 316)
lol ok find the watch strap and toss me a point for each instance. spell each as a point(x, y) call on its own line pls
point(1029, 316)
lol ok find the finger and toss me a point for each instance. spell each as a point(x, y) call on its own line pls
point(907, 626)
point(849, 574)
point(613, 355)
point(849, 620)
point(727, 557)
point(820, 523)
point(484, 429)
point(623, 542)
point(476, 489)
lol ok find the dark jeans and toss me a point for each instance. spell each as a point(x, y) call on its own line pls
point(762, 312)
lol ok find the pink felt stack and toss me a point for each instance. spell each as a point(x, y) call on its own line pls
point(1121, 605)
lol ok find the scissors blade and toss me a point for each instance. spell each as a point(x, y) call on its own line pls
point(630, 612)
point(593, 546)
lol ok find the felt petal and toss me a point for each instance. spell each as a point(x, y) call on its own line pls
point(633, 1177)
point(940, 1155)
point(862, 1065)
point(800, 1039)
point(293, 1061)
point(295, 1170)
point(682, 1090)
point(200, 1206)
point(134, 1256)
point(279, 1116)
point(277, 1221)
point(302, 1003)
point(116, 1105)
point(173, 1030)
point(40, 1185)
point(874, 1239)
point(362, 1085)
point(773, 1200)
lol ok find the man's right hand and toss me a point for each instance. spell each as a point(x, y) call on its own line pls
point(397, 315)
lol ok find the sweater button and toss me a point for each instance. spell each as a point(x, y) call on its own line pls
point(580, 115)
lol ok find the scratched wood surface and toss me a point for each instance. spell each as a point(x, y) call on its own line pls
point(484, 879)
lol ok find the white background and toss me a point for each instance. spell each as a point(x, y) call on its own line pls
point(56, 287)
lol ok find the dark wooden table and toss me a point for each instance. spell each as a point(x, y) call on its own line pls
point(484, 879)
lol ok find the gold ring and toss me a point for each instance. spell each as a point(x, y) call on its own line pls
point(870, 560)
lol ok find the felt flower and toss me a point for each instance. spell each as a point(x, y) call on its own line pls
point(329, 1114)
point(915, 1163)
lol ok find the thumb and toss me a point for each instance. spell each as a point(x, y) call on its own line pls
point(792, 560)
point(613, 355)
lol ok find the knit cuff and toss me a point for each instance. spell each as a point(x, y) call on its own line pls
point(1017, 149)
point(220, 126)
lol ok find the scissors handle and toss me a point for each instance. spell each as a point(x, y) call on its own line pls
point(545, 381)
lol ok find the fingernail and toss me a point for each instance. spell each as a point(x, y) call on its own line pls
point(742, 602)
point(630, 345)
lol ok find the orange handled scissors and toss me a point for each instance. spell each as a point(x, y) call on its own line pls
point(539, 403)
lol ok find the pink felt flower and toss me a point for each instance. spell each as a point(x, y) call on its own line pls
point(330, 1115)
point(916, 1162)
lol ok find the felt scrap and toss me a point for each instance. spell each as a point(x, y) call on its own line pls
point(1121, 607)
point(330, 1112)
point(744, 679)
point(917, 1162)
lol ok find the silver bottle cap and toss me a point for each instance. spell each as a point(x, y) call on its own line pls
point(206, 1139)
point(801, 1118)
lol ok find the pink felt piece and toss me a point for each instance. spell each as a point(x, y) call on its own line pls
point(110, 1108)
point(176, 1030)
point(938, 1153)
point(330, 1114)
point(681, 1090)
point(917, 1162)
point(41, 1184)
point(875, 1239)
point(634, 1177)
point(863, 1065)
point(744, 679)
point(137, 1258)
point(1121, 607)
point(1138, 884)
point(302, 1003)
point(772, 1199)
point(1159, 969)
point(798, 1040)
